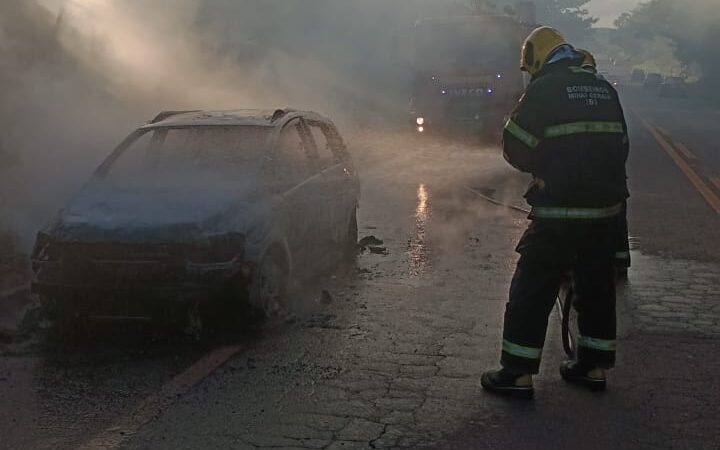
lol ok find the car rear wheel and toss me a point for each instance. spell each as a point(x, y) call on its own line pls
point(269, 286)
point(352, 236)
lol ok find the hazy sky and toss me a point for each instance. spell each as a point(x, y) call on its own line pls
point(608, 10)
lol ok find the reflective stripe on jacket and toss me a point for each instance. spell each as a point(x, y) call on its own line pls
point(555, 212)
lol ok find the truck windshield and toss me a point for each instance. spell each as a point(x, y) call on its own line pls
point(466, 44)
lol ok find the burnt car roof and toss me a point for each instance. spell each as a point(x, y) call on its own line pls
point(238, 117)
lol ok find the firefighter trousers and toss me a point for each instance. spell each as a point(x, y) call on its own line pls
point(550, 249)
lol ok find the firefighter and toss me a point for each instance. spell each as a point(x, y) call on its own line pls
point(568, 131)
point(622, 254)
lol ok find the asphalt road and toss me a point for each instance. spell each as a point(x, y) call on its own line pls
point(392, 357)
point(668, 214)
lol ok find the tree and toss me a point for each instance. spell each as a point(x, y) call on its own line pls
point(690, 28)
point(571, 17)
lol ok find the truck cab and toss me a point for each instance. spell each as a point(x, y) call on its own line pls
point(466, 75)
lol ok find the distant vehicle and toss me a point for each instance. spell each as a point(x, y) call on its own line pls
point(466, 75)
point(197, 205)
point(637, 76)
point(673, 87)
point(653, 80)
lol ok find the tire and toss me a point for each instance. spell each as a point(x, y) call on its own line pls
point(351, 242)
point(269, 287)
point(67, 325)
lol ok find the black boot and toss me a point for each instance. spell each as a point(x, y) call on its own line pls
point(506, 383)
point(584, 375)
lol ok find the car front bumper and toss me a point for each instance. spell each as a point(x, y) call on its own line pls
point(136, 290)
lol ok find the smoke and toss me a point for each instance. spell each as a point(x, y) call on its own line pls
point(673, 37)
point(55, 115)
point(77, 75)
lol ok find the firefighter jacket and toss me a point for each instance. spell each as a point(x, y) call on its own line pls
point(569, 131)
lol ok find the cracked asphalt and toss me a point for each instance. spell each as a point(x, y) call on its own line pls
point(393, 360)
point(391, 356)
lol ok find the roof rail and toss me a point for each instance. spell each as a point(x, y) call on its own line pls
point(277, 114)
point(282, 112)
point(165, 114)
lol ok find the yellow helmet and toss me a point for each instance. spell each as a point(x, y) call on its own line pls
point(589, 58)
point(538, 47)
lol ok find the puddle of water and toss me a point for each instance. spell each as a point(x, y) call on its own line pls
point(417, 248)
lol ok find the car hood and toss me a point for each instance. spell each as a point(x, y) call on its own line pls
point(102, 212)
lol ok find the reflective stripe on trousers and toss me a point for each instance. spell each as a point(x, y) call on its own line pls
point(521, 350)
point(605, 345)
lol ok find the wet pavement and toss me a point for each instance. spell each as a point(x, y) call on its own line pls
point(390, 355)
point(675, 296)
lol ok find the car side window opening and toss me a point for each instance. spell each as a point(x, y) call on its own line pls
point(326, 154)
point(292, 164)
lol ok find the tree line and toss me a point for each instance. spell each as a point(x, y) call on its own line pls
point(688, 30)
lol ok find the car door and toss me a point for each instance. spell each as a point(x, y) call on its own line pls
point(296, 182)
point(339, 191)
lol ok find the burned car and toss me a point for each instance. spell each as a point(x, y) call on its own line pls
point(195, 205)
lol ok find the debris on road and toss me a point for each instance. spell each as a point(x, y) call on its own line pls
point(373, 245)
point(378, 250)
point(6, 337)
point(322, 321)
point(370, 241)
point(325, 297)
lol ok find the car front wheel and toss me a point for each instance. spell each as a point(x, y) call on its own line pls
point(269, 286)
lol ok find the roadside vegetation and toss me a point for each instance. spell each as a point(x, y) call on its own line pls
point(674, 38)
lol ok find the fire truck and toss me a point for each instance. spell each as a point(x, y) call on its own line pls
point(466, 73)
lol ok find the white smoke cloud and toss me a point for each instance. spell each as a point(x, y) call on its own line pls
point(609, 10)
point(79, 74)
